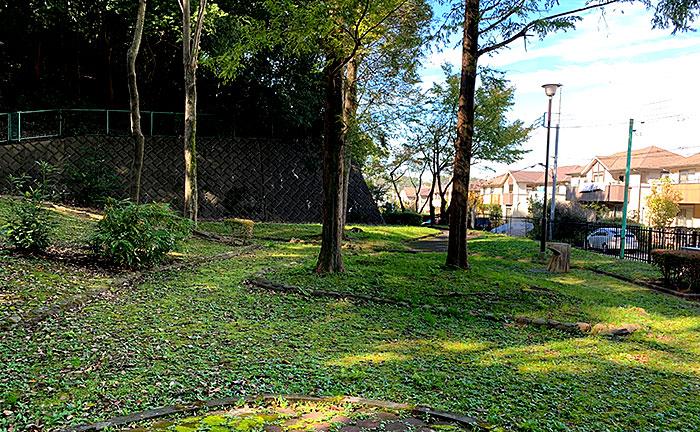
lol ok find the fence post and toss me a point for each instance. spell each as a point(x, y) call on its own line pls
point(107, 122)
point(9, 127)
point(649, 244)
point(19, 126)
point(151, 123)
point(60, 123)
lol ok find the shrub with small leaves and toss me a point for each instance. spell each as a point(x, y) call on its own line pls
point(29, 226)
point(91, 179)
point(134, 236)
point(681, 268)
point(240, 227)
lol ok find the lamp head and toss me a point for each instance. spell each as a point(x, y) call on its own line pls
point(551, 89)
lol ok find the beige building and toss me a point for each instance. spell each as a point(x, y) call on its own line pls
point(513, 190)
point(602, 181)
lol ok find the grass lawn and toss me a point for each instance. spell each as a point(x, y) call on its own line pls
point(200, 333)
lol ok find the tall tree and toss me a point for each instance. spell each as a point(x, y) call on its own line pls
point(135, 110)
point(663, 203)
point(490, 25)
point(190, 59)
point(338, 29)
point(380, 80)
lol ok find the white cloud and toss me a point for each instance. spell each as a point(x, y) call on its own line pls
point(612, 71)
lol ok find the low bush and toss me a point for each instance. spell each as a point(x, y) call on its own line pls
point(403, 218)
point(240, 227)
point(133, 235)
point(29, 227)
point(681, 268)
point(91, 179)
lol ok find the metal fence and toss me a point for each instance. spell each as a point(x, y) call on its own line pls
point(25, 125)
point(604, 237)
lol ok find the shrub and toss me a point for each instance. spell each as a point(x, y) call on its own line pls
point(681, 268)
point(29, 227)
point(403, 218)
point(133, 235)
point(240, 227)
point(91, 180)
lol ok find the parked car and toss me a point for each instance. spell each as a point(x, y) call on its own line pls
point(482, 223)
point(515, 229)
point(609, 238)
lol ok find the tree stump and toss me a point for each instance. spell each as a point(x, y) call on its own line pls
point(561, 259)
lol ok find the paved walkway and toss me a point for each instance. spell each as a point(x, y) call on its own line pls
point(432, 244)
point(438, 243)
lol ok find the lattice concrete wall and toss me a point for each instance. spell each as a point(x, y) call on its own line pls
point(265, 180)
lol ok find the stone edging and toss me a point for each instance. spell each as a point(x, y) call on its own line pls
point(43, 312)
point(645, 284)
point(215, 403)
point(578, 327)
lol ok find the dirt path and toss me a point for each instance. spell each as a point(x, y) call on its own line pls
point(438, 243)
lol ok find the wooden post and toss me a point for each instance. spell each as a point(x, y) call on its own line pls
point(561, 260)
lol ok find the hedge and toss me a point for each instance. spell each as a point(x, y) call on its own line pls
point(681, 268)
point(403, 218)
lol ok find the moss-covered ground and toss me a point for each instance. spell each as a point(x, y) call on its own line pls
point(200, 333)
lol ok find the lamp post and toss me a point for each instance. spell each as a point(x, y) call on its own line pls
point(550, 90)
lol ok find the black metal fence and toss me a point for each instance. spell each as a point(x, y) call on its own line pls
point(604, 237)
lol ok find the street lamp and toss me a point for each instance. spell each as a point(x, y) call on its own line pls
point(550, 90)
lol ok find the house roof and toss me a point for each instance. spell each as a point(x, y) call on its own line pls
point(424, 191)
point(651, 157)
point(690, 161)
point(533, 177)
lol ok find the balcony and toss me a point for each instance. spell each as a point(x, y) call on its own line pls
point(611, 193)
point(690, 192)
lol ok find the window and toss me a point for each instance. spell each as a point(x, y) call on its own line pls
point(686, 176)
point(685, 217)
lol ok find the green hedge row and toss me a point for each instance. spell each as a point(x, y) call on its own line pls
point(681, 268)
point(403, 218)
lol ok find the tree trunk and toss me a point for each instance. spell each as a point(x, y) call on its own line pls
point(431, 204)
point(190, 54)
point(330, 259)
point(561, 257)
point(349, 114)
point(457, 245)
point(136, 134)
point(398, 195)
point(191, 197)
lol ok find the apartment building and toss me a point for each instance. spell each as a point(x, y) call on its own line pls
point(602, 181)
point(513, 190)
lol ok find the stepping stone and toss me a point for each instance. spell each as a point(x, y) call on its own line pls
point(322, 427)
point(273, 428)
point(368, 423)
point(340, 419)
point(414, 421)
point(387, 416)
point(349, 429)
point(396, 426)
point(313, 415)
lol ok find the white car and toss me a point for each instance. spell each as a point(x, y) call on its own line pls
point(515, 229)
point(609, 238)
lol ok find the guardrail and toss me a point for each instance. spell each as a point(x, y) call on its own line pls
point(37, 124)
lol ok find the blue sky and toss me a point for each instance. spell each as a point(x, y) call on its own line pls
point(613, 68)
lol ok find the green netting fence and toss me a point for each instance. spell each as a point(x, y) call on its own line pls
point(25, 125)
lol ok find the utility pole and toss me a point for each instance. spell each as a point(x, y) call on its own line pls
point(554, 174)
point(627, 184)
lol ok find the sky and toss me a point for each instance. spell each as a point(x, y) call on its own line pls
point(613, 68)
